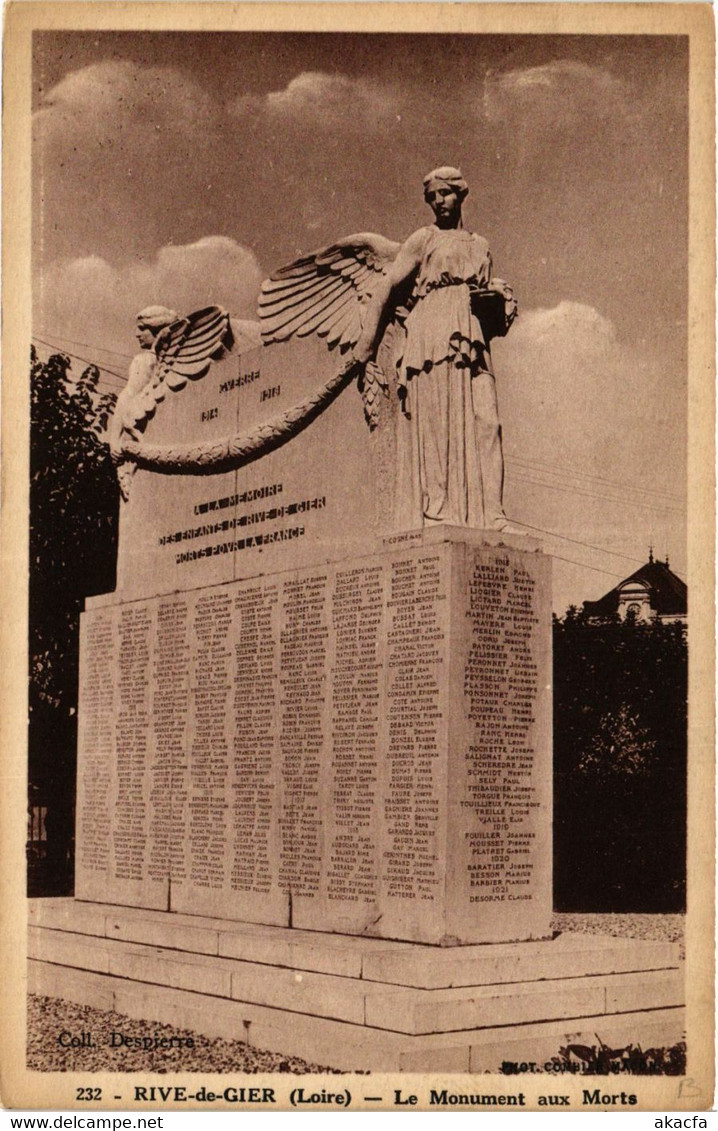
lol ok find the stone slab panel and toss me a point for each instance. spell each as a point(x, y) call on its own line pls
point(81, 986)
point(330, 740)
point(99, 648)
point(183, 532)
point(134, 924)
point(398, 963)
point(206, 973)
point(484, 1007)
point(355, 1000)
point(171, 929)
point(226, 826)
point(428, 968)
point(273, 951)
point(119, 853)
point(202, 940)
point(68, 915)
point(301, 950)
point(182, 972)
point(499, 869)
point(67, 949)
point(376, 868)
point(651, 990)
point(320, 995)
point(429, 1011)
point(413, 830)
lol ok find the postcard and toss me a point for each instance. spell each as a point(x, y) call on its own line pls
point(358, 524)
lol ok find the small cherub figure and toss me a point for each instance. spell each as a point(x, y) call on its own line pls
point(173, 351)
point(131, 407)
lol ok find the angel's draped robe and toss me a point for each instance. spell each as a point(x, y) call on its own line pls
point(135, 401)
point(449, 442)
point(131, 409)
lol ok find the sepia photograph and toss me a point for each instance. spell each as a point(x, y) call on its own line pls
point(358, 529)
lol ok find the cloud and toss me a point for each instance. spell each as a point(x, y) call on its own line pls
point(314, 99)
point(131, 156)
point(588, 331)
point(589, 418)
point(114, 144)
point(98, 103)
point(573, 394)
point(156, 97)
point(566, 365)
point(88, 299)
point(562, 93)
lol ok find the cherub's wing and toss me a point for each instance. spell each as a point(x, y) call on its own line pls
point(324, 293)
point(187, 347)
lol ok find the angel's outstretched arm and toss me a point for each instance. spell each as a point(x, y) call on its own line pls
point(405, 264)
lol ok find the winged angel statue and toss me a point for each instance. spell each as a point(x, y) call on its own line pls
point(437, 295)
point(431, 304)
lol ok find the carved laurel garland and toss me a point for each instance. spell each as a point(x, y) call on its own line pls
point(226, 454)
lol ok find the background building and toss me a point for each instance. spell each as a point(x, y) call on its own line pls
point(653, 591)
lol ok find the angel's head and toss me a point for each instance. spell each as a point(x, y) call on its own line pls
point(150, 321)
point(444, 191)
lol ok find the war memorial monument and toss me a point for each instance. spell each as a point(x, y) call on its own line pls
point(315, 756)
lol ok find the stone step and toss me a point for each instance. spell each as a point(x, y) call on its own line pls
point(341, 1044)
point(566, 956)
point(358, 1000)
point(443, 1011)
point(397, 963)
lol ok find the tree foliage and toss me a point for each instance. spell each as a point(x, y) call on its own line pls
point(620, 718)
point(620, 748)
point(73, 542)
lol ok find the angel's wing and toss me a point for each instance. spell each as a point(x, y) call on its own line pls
point(324, 293)
point(186, 348)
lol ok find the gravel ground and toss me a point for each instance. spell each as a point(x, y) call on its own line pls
point(48, 1017)
point(668, 928)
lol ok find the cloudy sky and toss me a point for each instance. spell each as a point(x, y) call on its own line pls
point(182, 168)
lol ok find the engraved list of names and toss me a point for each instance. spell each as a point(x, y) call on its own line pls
point(506, 756)
point(361, 746)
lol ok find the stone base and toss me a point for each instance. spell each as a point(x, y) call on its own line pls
point(354, 1003)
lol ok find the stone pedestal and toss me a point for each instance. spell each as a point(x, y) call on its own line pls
point(359, 746)
point(357, 1004)
point(308, 799)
